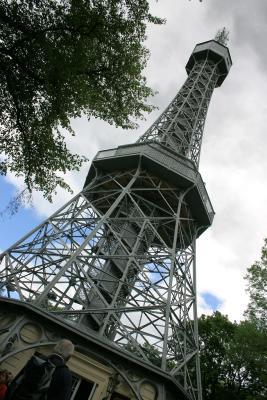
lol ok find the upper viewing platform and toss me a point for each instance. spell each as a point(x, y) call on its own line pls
point(214, 51)
point(162, 162)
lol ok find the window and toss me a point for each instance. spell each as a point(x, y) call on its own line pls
point(82, 389)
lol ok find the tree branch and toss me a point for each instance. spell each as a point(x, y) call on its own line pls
point(26, 142)
point(21, 65)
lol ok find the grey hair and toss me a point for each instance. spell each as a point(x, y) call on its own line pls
point(65, 348)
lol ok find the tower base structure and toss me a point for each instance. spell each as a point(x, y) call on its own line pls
point(100, 372)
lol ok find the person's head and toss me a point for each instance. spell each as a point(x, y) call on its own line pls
point(64, 348)
point(10, 376)
point(3, 376)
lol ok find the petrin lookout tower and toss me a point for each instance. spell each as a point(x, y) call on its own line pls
point(114, 269)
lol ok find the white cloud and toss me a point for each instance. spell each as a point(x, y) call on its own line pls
point(219, 272)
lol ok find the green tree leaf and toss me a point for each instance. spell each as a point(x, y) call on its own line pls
point(233, 359)
point(257, 288)
point(60, 60)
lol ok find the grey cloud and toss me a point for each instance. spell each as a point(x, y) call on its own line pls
point(249, 23)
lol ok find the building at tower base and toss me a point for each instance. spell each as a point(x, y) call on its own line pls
point(100, 371)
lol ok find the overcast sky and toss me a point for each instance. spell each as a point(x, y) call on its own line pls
point(233, 160)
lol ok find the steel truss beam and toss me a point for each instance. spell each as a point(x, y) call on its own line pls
point(180, 127)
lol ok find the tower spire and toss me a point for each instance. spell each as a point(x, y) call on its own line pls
point(118, 261)
point(180, 127)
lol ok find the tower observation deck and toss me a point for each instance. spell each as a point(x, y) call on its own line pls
point(118, 261)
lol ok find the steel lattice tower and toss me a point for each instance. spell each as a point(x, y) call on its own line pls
point(119, 259)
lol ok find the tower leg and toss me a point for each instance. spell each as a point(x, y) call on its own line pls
point(119, 260)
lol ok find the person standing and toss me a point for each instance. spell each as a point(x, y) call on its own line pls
point(3, 384)
point(44, 379)
point(60, 387)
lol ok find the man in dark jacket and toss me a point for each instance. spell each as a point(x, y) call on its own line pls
point(51, 381)
point(60, 387)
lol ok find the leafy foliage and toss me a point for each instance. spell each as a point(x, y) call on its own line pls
point(22, 198)
point(152, 353)
point(213, 332)
point(257, 289)
point(233, 359)
point(59, 60)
